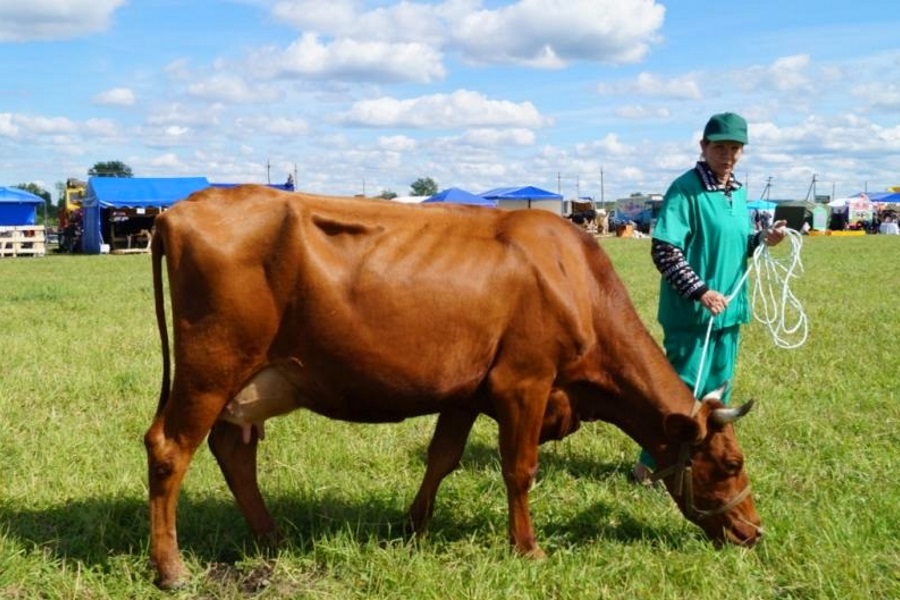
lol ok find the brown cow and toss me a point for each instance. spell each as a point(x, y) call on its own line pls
point(370, 311)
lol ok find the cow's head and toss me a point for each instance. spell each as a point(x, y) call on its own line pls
point(707, 477)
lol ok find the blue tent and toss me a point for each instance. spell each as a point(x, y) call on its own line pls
point(18, 207)
point(130, 193)
point(885, 197)
point(767, 205)
point(520, 193)
point(456, 195)
point(527, 193)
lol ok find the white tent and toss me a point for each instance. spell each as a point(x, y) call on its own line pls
point(410, 199)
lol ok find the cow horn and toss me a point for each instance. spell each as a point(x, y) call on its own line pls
point(723, 416)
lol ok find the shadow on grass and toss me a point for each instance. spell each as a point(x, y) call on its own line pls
point(212, 529)
point(601, 521)
point(481, 456)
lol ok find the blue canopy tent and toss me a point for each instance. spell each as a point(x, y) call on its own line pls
point(121, 193)
point(18, 207)
point(454, 195)
point(527, 194)
point(767, 205)
point(885, 197)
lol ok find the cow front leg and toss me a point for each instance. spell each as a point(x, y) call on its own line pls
point(237, 460)
point(444, 451)
point(520, 426)
point(167, 460)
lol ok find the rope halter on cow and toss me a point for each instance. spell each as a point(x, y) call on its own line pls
point(682, 469)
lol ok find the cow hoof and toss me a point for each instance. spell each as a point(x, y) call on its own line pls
point(534, 553)
point(269, 541)
point(171, 577)
point(172, 582)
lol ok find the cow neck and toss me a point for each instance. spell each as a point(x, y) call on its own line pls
point(652, 392)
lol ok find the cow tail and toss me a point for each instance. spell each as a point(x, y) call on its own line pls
point(158, 250)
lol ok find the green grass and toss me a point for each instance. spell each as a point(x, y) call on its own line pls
point(78, 387)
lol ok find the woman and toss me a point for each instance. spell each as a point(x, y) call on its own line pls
point(700, 245)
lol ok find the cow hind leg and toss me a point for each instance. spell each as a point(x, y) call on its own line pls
point(168, 457)
point(237, 460)
point(444, 451)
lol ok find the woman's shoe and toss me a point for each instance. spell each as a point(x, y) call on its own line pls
point(641, 474)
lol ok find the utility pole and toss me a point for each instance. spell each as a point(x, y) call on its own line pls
point(268, 171)
point(602, 194)
point(766, 190)
point(812, 189)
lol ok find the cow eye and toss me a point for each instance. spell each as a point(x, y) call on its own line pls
point(733, 466)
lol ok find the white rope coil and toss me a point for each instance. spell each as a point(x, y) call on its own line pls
point(773, 303)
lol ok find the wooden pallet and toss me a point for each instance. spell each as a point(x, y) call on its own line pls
point(23, 240)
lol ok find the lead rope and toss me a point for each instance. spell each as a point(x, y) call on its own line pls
point(770, 307)
point(772, 300)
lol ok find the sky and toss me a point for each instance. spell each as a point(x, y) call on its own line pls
point(600, 98)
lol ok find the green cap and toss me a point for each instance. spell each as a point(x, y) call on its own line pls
point(726, 127)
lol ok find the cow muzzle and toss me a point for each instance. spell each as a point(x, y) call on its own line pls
point(723, 523)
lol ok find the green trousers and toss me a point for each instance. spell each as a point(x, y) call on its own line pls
point(684, 350)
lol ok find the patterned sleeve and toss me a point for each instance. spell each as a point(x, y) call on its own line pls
point(676, 271)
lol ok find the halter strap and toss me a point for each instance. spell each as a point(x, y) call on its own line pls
point(684, 486)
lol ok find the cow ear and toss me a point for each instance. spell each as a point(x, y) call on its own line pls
point(682, 428)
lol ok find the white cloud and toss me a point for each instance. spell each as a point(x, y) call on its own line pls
point(397, 143)
point(182, 114)
point(27, 126)
point(231, 89)
point(882, 96)
point(115, 97)
point(8, 126)
point(315, 15)
point(491, 138)
point(635, 112)
point(277, 126)
point(166, 161)
point(785, 74)
point(684, 87)
point(536, 33)
point(176, 131)
point(552, 33)
point(178, 70)
point(462, 108)
point(350, 60)
point(610, 144)
point(101, 128)
point(29, 20)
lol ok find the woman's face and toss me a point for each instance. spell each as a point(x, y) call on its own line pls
point(721, 157)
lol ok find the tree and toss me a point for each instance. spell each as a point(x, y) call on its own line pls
point(424, 186)
point(113, 168)
point(387, 195)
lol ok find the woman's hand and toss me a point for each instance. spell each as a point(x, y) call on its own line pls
point(774, 235)
point(715, 302)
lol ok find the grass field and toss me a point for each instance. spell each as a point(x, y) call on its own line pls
point(79, 380)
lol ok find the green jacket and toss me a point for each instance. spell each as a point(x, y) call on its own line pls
point(712, 232)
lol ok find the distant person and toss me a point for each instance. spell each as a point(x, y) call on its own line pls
point(889, 227)
point(700, 245)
